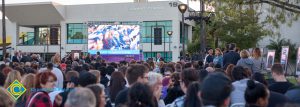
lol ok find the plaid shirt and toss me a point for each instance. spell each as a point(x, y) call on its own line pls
point(42, 99)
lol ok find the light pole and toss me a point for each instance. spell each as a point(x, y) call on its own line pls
point(182, 8)
point(170, 34)
point(3, 30)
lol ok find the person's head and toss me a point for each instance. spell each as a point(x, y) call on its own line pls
point(28, 83)
point(87, 78)
point(45, 79)
point(216, 89)
point(277, 70)
point(140, 95)
point(11, 77)
point(137, 73)
point(202, 75)
point(210, 51)
point(175, 79)
point(99, 94)
point(188, 76)
point(6, 70)
point(158, 55)
point(193, 95)
point(256, 94)
point(260, 78)
point(178, 67)
point(122, 69)
point(155, 80)
point(229, 70)
point(218, 52)
point(188, 65)
point(109, 70)
point(256, 53)
point(232, 46)
point(239, 73)
point(5, 98)
point(97, 74)
point(244, 54)
point(50, 66)
point(71, 74)
point(81, 97)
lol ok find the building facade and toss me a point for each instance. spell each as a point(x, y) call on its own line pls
point(48, 28)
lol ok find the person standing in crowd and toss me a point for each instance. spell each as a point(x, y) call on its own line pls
point(257, 59)
point(159, 58)
point(16, 57)
point(294, 92)
point(11, 77)
point(230, 57)
point(155, 83)
point(99, 93)
point(209, 57)
point(174, 91)
point(239, 84)
point(28, 83)
point(81, 97)
point(187, 76)
point(281, 85)
point(117, 83)
point(218, 60)
point(5, 99)
point(193, 96)
point(245, 61)
point(216, 89)
point(140, 95)
point(58, 74)
point(256, 94)
point(44, 83)
point(135, 73)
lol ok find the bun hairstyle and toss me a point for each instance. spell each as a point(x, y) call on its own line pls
point(254, 91)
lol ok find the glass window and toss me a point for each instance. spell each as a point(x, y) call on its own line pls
point(149, 28)
point(76, 33)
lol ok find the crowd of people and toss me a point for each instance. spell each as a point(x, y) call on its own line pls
point(231, 79)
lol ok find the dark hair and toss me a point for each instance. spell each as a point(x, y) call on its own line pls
point(21, 70)
point(86, 67)
point(115, 65)
point(188, 65)
point(117, 83)
point(260, 78)
point(87, 78)
point(202, 74)
point(134, 71)
point(122, 69)
point(178, 67)
point(50, 66)
point(231, 46)
point(217, 66)
point(110, 69)
point(42, 78)
point(192, 99)
point(238, 73)
point(277, 68)
point(254, 91)
point(2, 79)
point(102, 71)
point(175, 77)
point(189, 75)
point(140, 95)
point(97, 91)
point(216, 88)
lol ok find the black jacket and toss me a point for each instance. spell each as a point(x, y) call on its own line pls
point(230, 58)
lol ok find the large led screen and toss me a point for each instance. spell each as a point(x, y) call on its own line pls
point(113, 39)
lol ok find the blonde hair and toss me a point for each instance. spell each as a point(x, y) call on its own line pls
point(218, 49)
point(244, 54)
point(11, 77)
point(28, 82)
point(5, 99)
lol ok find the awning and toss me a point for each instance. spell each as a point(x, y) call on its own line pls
point(28, 14)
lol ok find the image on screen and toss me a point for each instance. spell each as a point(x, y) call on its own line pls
point(113, 39)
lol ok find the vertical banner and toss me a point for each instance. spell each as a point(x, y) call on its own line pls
point(298, 62)
point(284, 57)
point(270, 59)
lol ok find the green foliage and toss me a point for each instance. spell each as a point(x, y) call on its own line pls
point(277, 46)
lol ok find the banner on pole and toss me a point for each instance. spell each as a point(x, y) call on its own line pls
point(270, 59)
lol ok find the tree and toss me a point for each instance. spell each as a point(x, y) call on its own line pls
point(241, 21)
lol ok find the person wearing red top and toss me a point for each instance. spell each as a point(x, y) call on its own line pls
point(44, 83)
